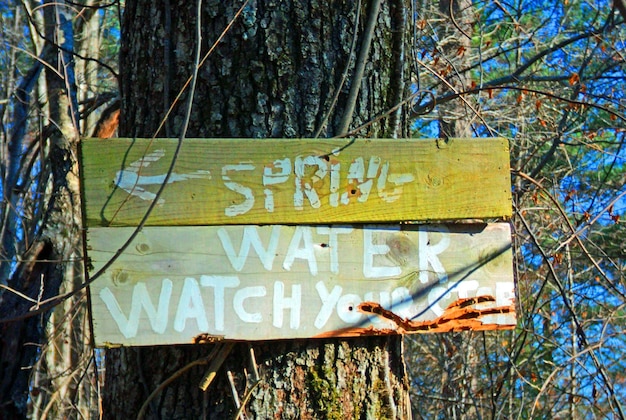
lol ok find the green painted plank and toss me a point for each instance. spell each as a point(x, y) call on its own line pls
point(188, 284)
point(246, 181)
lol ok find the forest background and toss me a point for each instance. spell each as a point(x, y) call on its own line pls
point(547, 75)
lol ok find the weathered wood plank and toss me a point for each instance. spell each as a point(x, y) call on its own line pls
point(244, 181)
point(186, 284)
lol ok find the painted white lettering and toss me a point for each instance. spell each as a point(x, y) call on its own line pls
point(435, 295)
point(131, 180)
point(248, 202)
point(444, 292)
point(219, 284)
point(356, 175)
point(428, 253)
point(140, 299)
point(347, 308)
point(384, 299)
point(301, 234)
point(281, 303)
point(250, 238)
point(283, 170)
point(373, 167)
point(333, 243)
point(401, 302)
point(484, 291)
point(464, 288)
point(369, 251)
point(304, 187)
point(246, 293)
point(333, 199)
point(396, 179)
point(329, 300)
point(190, 305)
point(505, 293)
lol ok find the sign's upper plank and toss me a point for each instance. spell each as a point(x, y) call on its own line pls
point(245, 181)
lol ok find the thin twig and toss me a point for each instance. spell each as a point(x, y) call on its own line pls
point(575, 235)
point(614, 401)
point(53, 301)
point(454, 22)
point(246, 397)
point(215, 365)
point(355, 85)
point(17, 292)
point(172, 378)
point(344, 76)
point(233, 391)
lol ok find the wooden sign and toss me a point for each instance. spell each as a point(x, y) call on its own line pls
point(205, 269)
point(203, 283)
point(260, 181)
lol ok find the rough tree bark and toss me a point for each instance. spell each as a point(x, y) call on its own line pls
point(274, 75)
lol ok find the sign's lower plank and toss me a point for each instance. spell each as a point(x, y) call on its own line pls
point(253, 181)
point(193, 284)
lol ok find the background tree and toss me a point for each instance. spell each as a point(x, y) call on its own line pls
point(277, 72)
point(454, 361)
point(546, 75)
point(46, 360)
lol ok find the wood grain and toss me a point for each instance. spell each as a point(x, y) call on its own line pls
point(254, 181)
point(184, 284)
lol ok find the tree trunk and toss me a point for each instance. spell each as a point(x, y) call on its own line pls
point(52, 262)
point(455, 33)
point(275, 74)
point(459, 382)
point(66, 355)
